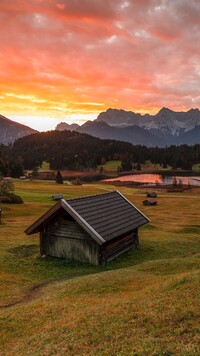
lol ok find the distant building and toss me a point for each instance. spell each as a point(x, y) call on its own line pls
point(152, 195)
point(149, 202)
point(57, 196)
point(7, 179)
point(92, 229)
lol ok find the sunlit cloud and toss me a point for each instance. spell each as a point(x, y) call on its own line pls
point(31, 98)
point(82, 57)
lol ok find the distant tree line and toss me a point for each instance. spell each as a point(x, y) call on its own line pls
point(76, 151)
point(175, 156)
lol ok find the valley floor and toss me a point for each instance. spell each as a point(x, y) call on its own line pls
point(146, 302)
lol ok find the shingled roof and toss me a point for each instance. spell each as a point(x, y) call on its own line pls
point(104, 216)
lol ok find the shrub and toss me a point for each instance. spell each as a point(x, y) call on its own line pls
point(77, 181)
point(14, 199)
point(5, 199)
point(6, 187)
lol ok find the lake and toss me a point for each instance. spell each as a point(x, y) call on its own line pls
point(153, 179)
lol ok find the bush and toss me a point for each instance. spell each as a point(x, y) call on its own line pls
point(4, 199)
point(6, 187)
point(6, 193)
point(77, 181)
point(14, 199)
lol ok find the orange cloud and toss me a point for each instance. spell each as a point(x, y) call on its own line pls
point(80, 56)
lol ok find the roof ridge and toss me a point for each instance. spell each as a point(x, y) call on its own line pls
point(91, 196)
point(101, 229)
point(87, 227)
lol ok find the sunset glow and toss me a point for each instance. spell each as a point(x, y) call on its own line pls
point(68, 60)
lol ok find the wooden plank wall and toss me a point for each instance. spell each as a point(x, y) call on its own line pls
point(66, 239)
point(115, 248)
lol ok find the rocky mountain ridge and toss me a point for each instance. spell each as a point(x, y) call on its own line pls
point(11, 130)
point(165, 128)
point(166, 120)
point(64, 126)
point(133, 134)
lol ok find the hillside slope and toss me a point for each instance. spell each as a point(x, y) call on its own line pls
point(11, 130)
point(133, 134)
point(146, 302)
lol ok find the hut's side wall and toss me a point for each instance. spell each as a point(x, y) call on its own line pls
point(118, 246)
point(66, 239)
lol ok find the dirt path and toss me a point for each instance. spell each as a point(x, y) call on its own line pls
point(35, 291)
point(31, 294)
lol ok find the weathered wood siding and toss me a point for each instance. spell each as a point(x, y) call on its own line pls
point(118, 246)
point(66, 239)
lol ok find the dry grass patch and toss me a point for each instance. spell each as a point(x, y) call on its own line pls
point(146, 302)
point(142, 318)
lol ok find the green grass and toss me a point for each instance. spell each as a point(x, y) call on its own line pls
point(111, 166)
point(149, 166)
point(145, 302)
point(45, 167)
point(196, 167)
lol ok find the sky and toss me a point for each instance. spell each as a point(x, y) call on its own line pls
point(69, 60)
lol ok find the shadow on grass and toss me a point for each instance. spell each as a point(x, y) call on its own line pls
point(25, 260)
point(24, 251)
point(149, 227)
point(156, 256)
point(191, 229)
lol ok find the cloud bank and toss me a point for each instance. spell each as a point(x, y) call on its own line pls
point(64, 57)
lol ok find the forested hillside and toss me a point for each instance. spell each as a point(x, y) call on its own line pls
point(67, 150)
point(76, 151)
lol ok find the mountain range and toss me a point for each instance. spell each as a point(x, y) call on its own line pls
point(165, 128)
point(11, 130)
point(64, 126)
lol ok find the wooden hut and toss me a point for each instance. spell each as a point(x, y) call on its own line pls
point(152, 195)
point(57, 196)
point(149, 202)
point(92, 229)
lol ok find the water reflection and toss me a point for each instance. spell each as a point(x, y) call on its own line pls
point(153, 179)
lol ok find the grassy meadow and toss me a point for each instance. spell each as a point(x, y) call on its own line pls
point(146, 302)
point(111, 168)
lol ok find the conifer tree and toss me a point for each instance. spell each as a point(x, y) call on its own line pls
point(59, 178)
